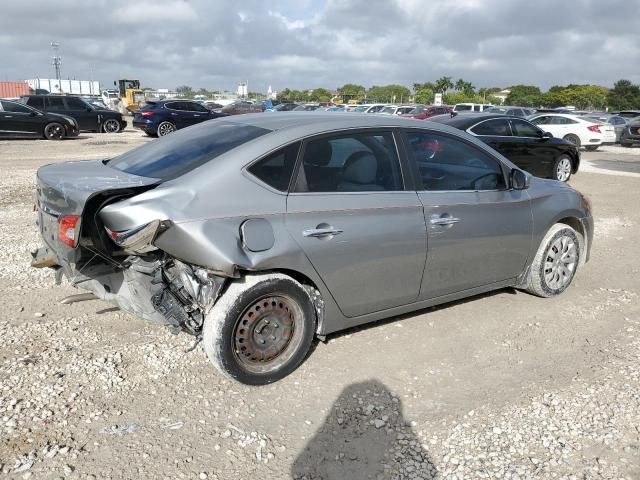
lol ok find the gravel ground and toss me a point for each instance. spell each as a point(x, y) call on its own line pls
point(503, 385)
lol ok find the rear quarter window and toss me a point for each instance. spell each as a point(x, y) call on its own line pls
point(276, 169)
point(185, 150)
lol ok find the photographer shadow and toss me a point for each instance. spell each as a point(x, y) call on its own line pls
point(364, 436)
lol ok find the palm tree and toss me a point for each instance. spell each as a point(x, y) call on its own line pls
point(460, 84)
point(443, 84)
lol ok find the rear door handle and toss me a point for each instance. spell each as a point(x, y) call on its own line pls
point(443, 220)
point(321, 232)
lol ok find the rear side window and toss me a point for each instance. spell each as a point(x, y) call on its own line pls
point(185, 150)
point(446, 163)
point(55, 104)
point(276, 169)
point(498, 127)
point(355, 162)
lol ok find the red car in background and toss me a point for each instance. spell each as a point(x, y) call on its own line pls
point(422, 112)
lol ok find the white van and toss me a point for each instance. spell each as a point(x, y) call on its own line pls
point(470, 107)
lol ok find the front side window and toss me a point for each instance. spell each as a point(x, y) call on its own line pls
point(447, 163)
point(498, 127)
point(355, 162)
point(276, 169)
point(14, 107)
point(524, 129)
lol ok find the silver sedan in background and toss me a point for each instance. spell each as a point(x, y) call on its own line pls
point(260, 232)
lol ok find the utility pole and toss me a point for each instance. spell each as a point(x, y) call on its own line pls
point(56, 61)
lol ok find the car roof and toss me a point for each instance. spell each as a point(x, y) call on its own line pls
point(465, 121)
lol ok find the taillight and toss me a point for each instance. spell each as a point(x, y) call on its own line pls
point(140, 239)
point(146, 114)
point(69, 229)
point(594, 128)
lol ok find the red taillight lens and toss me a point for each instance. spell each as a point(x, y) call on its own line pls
point(69, 229)
point(594, 128)
point(146, 114)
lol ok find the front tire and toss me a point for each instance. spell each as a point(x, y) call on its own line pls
point(555, 263)
point(165, 128)
point(54, 131)
point(261, 329)
point(562, 168)
point(111, 125)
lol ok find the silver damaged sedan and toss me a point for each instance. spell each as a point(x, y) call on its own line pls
point(261, 232)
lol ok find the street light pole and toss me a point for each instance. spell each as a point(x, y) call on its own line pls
point(56, 61)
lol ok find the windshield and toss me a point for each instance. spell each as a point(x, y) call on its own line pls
point(389, 110)
point(461, 108)
point(497, 110)
point(361, 108)
point(417, 110)
point(180, 152)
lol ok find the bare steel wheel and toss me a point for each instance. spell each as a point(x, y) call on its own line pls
point(555, 263)
point(562, 168)
point(54, 131)
point(111, 125)
point(261, 328)
point(265, 335)
point(165, 128)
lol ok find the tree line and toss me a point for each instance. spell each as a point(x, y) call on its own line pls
point(624, 95)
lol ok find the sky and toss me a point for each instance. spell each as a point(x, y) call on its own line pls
point(215, 44)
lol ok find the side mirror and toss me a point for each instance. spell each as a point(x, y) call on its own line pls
point(519, 180)
point(33, 114)
point(546, 135)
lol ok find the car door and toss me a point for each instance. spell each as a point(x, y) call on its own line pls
point(532, 151)
point(177, 115)
point(198, 113)
point(18, 120)
point(363, 233)
point(84, 114)
point(478, 229)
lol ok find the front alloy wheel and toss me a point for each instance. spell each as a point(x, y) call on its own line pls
point(562, 168)
point(111, 126)
point(54, 131)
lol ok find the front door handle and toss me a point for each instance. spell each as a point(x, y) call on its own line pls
point(435, 220)
point(321, 232)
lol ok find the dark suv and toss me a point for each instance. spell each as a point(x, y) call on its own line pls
point(166, 116)
point(89, 117)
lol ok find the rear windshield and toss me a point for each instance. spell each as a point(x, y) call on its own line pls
point(182, 151)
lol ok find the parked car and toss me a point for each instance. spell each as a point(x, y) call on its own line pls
point(166, 116)
point(88, 117)
point(528, 147)
point(616, 121)
point(397, 109)
point(241, 108)
point(285, 107)
point(470, 107)
point(212, 105)
point(580, 132)
point(629, 113)
point(608, 131)
point(422, 112)
point(260, 232)
point(631, 134)
point(18, 120)
point(307, 107)
point(368, 107)
point(514, 111)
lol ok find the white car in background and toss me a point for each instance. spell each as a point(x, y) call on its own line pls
point(368, 108)
point(397, 110)
point(581, 131)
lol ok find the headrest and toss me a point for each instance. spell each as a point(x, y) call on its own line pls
point(318, 153)
point(360, 168)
